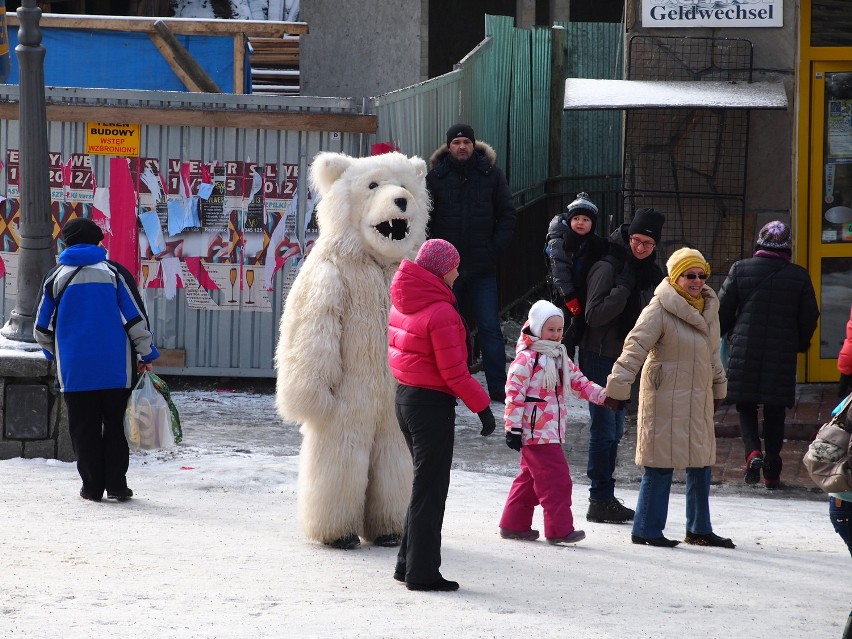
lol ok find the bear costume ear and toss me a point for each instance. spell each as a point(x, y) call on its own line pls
point(419, 166)
point(326, 169)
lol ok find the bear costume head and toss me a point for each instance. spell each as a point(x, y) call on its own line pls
point(377, 204)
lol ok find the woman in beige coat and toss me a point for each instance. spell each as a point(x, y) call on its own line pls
point(677, 339)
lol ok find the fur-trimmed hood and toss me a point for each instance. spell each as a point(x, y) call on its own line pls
point(480, 148)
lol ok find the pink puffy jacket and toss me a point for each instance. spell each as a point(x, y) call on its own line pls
point(542, 415)
point(427, 344)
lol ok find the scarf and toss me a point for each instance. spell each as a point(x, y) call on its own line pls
point(696, 302)
point(551, 352)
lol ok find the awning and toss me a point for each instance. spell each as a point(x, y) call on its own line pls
point(585, 94)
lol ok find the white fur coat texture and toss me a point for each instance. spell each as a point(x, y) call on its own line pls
point(333, 377)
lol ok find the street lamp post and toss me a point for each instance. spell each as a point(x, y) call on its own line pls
point(35, 251)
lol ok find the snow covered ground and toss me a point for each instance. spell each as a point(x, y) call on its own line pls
point(209, 547)
point(287, 10)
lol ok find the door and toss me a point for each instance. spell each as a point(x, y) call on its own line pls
point(830, 219)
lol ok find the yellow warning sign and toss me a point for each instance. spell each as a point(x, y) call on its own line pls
point(108, 138)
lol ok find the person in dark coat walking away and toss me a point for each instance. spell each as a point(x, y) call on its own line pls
point(472, 209)
point(572, 249)
point(428, 355)
point(619, 286)
point(90, 319)
point(768, 311)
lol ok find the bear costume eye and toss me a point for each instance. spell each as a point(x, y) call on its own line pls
point(373, 185)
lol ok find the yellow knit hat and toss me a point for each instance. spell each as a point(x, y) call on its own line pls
point(684, 259)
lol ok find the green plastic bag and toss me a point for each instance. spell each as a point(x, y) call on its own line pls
point(163, 389)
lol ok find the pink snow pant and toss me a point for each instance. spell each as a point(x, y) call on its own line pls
point(544, 479)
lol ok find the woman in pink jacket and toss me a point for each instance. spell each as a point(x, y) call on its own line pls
point(427, 351)
point(536, 418)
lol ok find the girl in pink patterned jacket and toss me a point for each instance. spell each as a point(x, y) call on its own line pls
point(536, 417)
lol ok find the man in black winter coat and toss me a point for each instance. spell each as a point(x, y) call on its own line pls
point(472, 209)
point(768, 309)
point(619, 286)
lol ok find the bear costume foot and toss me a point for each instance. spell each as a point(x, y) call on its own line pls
point(347, 542)
point(388, 541)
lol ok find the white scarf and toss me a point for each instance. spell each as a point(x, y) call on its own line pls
point(552, 351)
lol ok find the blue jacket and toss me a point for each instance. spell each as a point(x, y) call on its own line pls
point(90, 319)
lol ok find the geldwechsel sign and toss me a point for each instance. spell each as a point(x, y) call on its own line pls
point(712, 13)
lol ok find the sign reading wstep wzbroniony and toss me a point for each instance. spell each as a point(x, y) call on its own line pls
point(712, 13)
point(109, 138)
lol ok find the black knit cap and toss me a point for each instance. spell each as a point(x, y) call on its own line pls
point(81, 230)
point(460, 131)
point(647, 222)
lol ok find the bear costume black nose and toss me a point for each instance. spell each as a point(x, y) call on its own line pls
point(401, 202)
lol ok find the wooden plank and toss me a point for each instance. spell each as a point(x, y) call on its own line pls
point(171, 357)
point(239, 63)
point(178, 54)
point(180, 26)
point(232, 119)
point(168, 56)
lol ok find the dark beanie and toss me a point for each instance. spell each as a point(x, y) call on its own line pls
point(81, 230)
point(647, 222)
point(583, 206)
point(460, 131)
point(775, 235)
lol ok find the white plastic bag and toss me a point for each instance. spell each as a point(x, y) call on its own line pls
point(148, 420)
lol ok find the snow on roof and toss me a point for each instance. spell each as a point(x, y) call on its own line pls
point(585, 94)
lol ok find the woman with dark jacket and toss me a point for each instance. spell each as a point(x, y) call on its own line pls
point(428, 355)
point(768, 309)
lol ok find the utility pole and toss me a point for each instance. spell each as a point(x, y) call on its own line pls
point(35, 250)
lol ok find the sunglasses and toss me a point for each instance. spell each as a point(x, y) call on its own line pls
point(692, 276)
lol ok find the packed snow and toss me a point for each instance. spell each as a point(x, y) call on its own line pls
point(287, 10)
point(210, 547)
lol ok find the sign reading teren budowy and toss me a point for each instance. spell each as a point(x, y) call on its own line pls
point(712, 13)
point(110, 138)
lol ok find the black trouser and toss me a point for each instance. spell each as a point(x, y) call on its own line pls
point(773, 435)
point(429, 430)
point(96, 425)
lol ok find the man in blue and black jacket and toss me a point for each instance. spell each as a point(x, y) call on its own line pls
point(90, 319)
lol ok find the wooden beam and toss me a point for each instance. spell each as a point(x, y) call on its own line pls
point(180, 26)
point(180, 60)
point(166, 52)
point(202, 117)
point(239, 63)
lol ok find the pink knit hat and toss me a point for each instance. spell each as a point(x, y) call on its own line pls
point(438, 257)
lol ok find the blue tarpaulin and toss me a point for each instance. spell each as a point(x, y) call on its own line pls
point(125, 60)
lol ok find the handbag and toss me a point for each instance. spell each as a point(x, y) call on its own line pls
point(827, 459)
point(163, 389)
point(147, 419)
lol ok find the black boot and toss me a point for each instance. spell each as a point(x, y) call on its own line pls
point(709, 539)
point(609, 511)
point(660, 542)
point(347, 542)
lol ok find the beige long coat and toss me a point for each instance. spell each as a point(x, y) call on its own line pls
point(681, 377)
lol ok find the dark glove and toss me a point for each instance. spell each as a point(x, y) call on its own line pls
point(716, 404)
point(843, 386)
point(513, 439)
point(488, 423)
point(613, 404)
point(626, 278)
point(574, 307)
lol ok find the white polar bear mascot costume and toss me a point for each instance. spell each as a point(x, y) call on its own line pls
point(355, 470)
